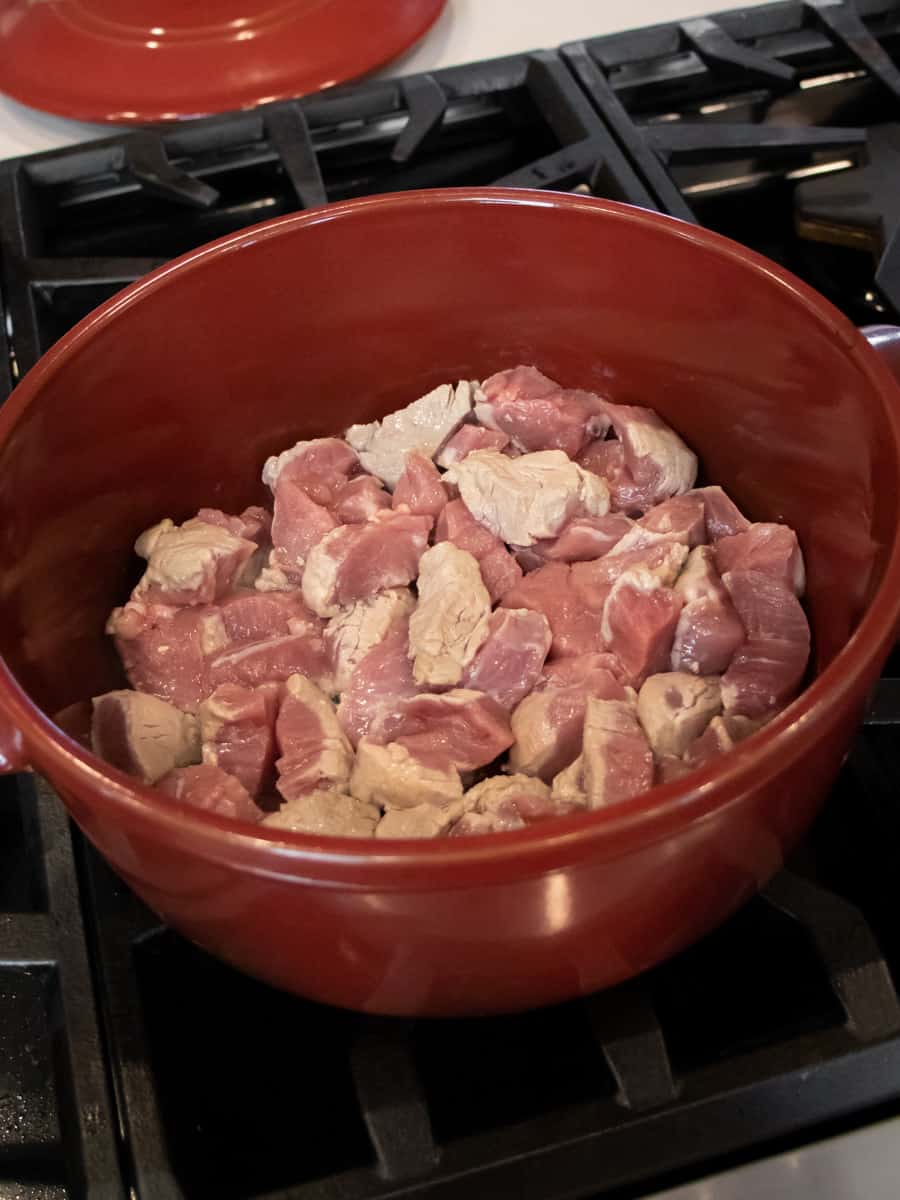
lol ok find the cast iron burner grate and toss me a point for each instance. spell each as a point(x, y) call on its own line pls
point(131, 1064)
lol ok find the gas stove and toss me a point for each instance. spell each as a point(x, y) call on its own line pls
point(131, 1064)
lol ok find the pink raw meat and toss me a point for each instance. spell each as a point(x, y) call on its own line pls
point(768, 668)
point(460, 728)
point(607, 459)
point(272, 660)
point(381, 681)
point(509, 662)
point(723, 517)
point(549, 590)
point(580, 540)
point(768, 548)
point(617, 762)
point(589, 670)
point(419, 488)
point(253, 524)
point(499, 569)
point(592, 581)
point(548, 724)
point(356, 561)
point(194, 563)
point(314, 751)
point(359, 500)
point(321, 467)
point(712, 742)
point(237, 725)
point(297, 525)
point(709, 630)
point(164, 650)
point(639, 621)
point(680, 519)
point(211, 789)
point(653, 461)
point(468, 438)
point(248, 615)
point(538, 414)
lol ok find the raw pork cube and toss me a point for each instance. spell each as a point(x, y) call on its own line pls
point(580, 540)
point(356, 561)
point(391, 777)
point(383, 678)
point(254, 523)
point(723, 517)
point(505, 802)
point(359, 500)
point(325, 812)
point(548, 725)
point(639, 621)
point(592, 581)
point(358, 629)
point(142, 734)
point(314, 751)
point(499, 570)
point(549, 590)
point(424, 425)
point(585, 670)
point(709, 630)
point(165, 650)
point(509, 661)
point(460, 728)
point(657, 459)
point(538, 414)
point(522, 500)
point(767, 548)
point(211, 789)
point(298, 524)
point(607, 459)
point(674, 708)
point(269, 660)
point(248, 615)
point(320, 467)
point(768, 668)
point(617, 762)
point(423, 821)
point(237, 725)
point(713, 742)
point(679, 519)
point(194, 563)
point(420, 488)
point(450, 621)
point(468, 438)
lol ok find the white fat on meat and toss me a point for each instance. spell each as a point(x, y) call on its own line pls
point(325, 812)
point(522, 500)
point(450, 621)
point(424, 425)
point(314, 748)
point(143, 735)
point(423, 821)
point(617, 762)
point(675, 707)
point(391, 777)
point(194, 563)
point(656, 456)
point(358, 629)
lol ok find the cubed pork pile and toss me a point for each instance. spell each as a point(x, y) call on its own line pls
point(505, 602)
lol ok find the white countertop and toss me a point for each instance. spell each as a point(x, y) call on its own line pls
point(467, 30)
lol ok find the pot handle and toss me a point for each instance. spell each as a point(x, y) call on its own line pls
point(12, 748)
point(886, 340)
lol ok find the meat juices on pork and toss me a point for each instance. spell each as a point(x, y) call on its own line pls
point(142, 734)
point(674, 708)
point(424, 425)
point(523, 500)
point(327, 813)
point(450, 621)
point(314, 751)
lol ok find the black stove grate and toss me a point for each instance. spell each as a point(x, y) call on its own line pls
point(131, 1064)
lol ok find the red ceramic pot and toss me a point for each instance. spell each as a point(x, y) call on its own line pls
point(171, 395)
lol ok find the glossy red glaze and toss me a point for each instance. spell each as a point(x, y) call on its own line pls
point(172, 394)
point(155, 60)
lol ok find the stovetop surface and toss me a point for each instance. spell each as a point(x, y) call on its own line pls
point(133, 1064)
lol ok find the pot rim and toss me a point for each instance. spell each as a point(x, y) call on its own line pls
point(640, 821)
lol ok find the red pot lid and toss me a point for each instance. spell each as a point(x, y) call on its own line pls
point(155, 60)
